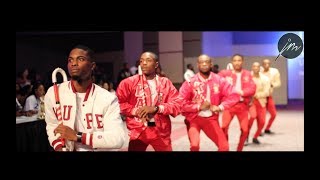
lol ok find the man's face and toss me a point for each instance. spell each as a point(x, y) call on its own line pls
point(204, 64)
point(237, 62)
point(148, 63)
point(79, 65)
point(105, 86)
point(266, 64)
point(255, 68)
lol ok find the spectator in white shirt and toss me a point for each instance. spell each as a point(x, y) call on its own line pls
point(134, 69)
point(189, 72)
point(33, 101)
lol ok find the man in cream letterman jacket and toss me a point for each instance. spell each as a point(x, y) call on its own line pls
point(275, 82)
point(90, 115)
point(258, 107)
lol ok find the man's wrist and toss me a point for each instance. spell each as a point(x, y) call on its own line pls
point(79, 137)
point(156, 109)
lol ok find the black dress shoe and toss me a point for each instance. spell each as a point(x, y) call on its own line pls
point(255, 140)
point(268, 132)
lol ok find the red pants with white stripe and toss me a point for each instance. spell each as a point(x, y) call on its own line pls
point(150, 136)
point(211, 128)
point(260, 116)
point(241, 110)
point(271, 107)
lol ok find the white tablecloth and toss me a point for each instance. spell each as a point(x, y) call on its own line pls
point(23, 119)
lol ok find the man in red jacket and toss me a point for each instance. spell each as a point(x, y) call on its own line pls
point(202, 101)
point(244, 85)
point(146, 100)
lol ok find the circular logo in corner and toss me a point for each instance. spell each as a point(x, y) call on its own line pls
point(290, 46)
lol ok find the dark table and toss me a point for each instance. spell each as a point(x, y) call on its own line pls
point(31, 136)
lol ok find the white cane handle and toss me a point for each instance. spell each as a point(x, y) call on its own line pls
point(62, 72)
point(139, 70)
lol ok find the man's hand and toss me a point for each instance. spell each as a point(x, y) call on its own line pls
point(215, 109)
point(240, 92)
point(144, 120)
point(30, 113)
point(20, 113)
point(66, 132)
point(144, 111)
point(205, 105)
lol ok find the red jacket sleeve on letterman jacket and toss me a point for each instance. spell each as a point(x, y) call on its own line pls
point(230, 97)
point(186, 94)
point(249, 87)
point(123, 94)
point(171, 104)
point(57, 144)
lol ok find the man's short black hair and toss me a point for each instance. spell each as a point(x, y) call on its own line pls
point(86, 48)
point(238, 55)
point(155, 57)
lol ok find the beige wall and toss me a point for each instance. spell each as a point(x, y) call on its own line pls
point(192, 43)
point(171, 55)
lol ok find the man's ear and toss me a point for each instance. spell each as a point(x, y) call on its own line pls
point(157, 64)
point(93, 65)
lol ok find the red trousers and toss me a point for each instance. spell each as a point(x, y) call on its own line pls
point(210, 126)
point(258, 112)
point(252, 112)
point(150, 136)
point(241, 110)
point(271, 107)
